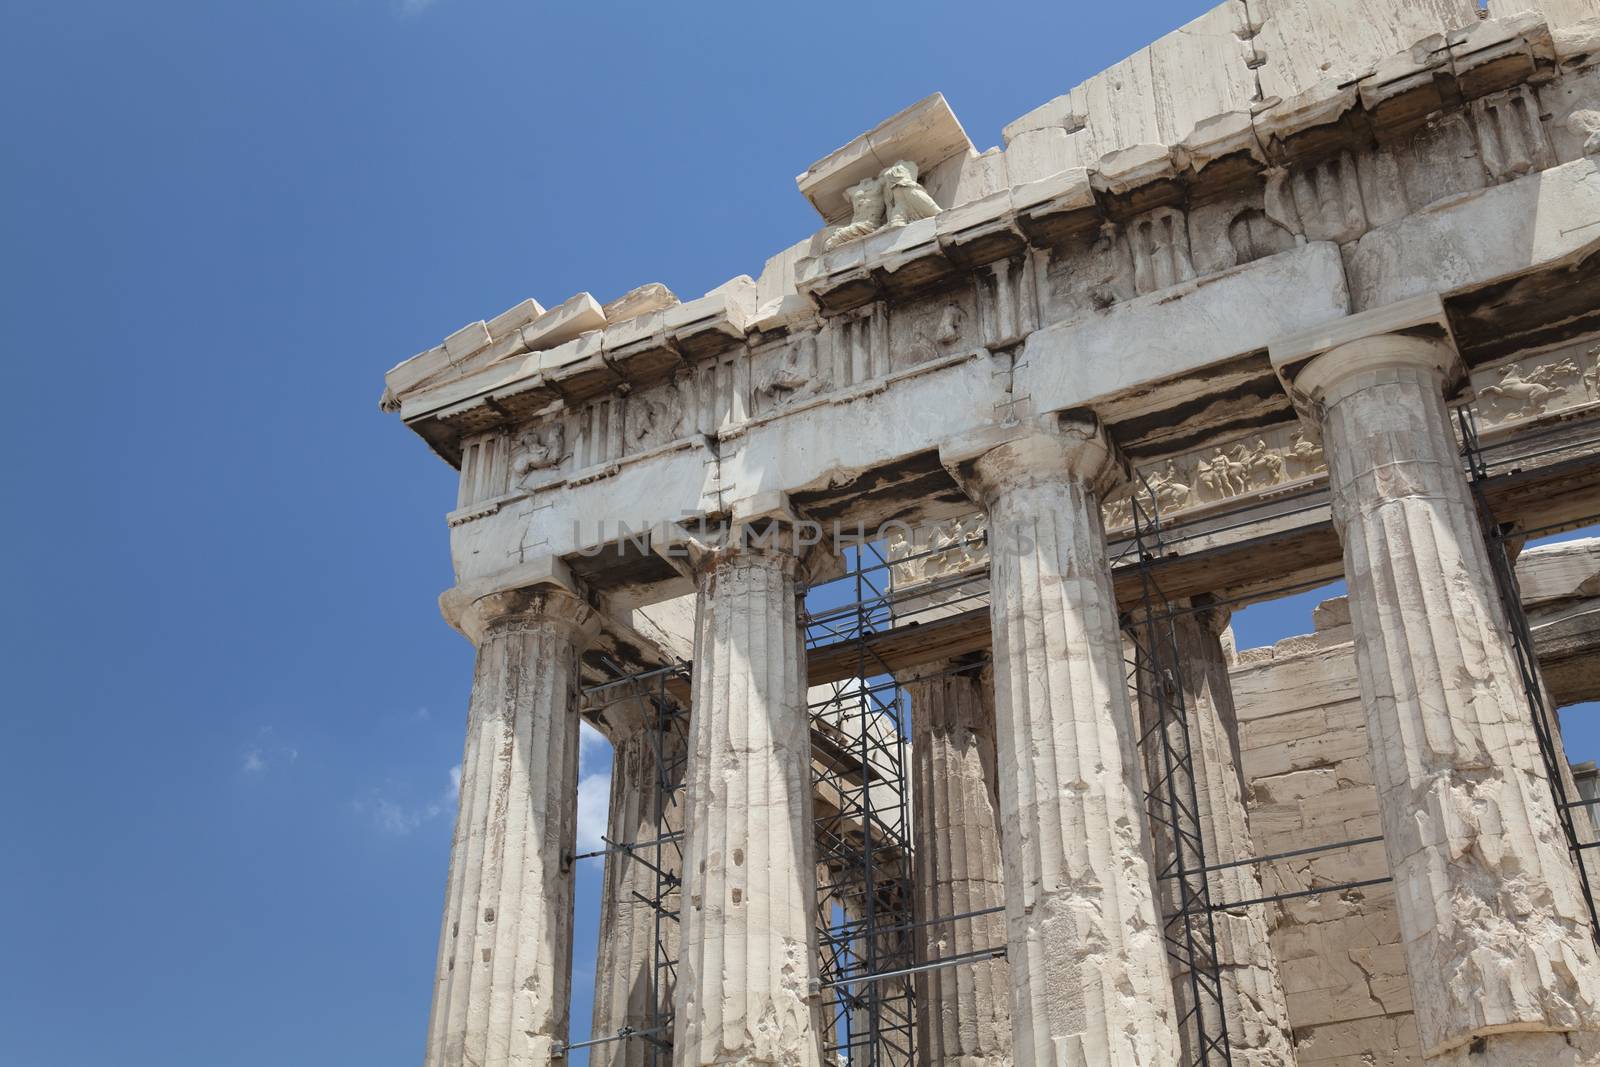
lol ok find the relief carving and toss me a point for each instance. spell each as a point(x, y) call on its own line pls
point(1258, 464)
point(793, 377)
point(941, 551)
point(1305, 457)
point(930, 335)
point(1441, 160)
point(1555, 381)
point(654, 420)
point(539, 450)
point(1586, 124)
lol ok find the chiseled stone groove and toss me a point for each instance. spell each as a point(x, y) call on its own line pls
point(1088, 968)
point(749, 957)
point(964, 1013)
point(1495, 928)
point(501, 992)
point(1253, 1000)
point(644, 807)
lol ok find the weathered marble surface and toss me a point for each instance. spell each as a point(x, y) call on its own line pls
point(1190, 647)
point(1496, 933)
point(635, 943)
point(1088, 971)
point(748, 966)
point(964, 1013)
point(502, 987)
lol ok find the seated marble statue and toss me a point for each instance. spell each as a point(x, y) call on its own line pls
point(907, 200)
point(866, 213)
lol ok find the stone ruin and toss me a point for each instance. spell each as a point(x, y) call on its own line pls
point(1305, 290)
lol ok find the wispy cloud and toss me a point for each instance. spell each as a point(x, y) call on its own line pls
point(415, 7)
point(266, 751)
point(398, 819)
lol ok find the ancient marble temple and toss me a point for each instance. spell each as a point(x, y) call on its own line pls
point(1306, 290)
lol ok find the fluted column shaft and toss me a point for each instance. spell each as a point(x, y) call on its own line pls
point(1088, 971)
point(749, 959)
point(1495, 929)
point(1190, 647)
point(646, 769)
point(502, 988)
point(963, 1012)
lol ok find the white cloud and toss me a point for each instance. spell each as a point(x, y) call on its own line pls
point(594, 751)
point(594, 801)
point(397, 819)
point(266, 751)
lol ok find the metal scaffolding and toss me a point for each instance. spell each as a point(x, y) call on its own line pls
point(661, 854)
point(1504, 541)
point(860, 748)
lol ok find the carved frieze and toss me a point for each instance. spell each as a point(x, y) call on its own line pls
point(857, 344)
point(715, 393)
point(1159, 243)
point(654, 417)
point(1252, 235)
point(1089, 274)
point(932, 329)
point(1255, 465)
point(483, 469)
point(1551, 382)
point(1008, 301)
point(942, 550)
point(539, 451)
point(1511, 135)
point(1441, 160)
point(1321, 201)
point(600, 431)
point(787, 373)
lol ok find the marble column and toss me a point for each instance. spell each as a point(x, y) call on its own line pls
point(1088, 969)
point(1189, 648)
point(964, 1011)
point(748, 968)
point(1502, 964)
point(646, 771)
point(502, 985)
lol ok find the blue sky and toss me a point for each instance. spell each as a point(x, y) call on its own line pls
point(235, 711)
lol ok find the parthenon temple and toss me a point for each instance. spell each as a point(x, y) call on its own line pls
point(900, 575)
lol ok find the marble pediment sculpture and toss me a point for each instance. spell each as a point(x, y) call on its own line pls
point(893, 198)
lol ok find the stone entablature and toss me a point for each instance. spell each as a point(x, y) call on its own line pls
point(543, 409)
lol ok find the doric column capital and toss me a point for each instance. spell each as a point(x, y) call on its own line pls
point(1350, 366)
point(1066, 446)
point(480, 611)
point(763, 530)
point(1326, 362)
